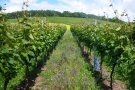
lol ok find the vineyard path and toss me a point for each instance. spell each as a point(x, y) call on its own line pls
point(66, 69)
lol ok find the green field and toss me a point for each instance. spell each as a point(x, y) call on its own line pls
point(68, 20)
point(65, 20)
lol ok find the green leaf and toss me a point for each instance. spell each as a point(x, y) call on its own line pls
point(34, 47)
point(4, 50)
point(118, 28)
point(1, 26)
point(31, 53)
point(17, 56)
point(12, 61)
point(25, 41)
point(9, 35)
point(31, 37)
point(25, 55)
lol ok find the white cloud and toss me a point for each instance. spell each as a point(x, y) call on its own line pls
point(15, 1)
point(127, 1)
point(127, 5)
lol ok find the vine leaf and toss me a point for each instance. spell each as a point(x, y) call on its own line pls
point(31, 37)
point(118, 28)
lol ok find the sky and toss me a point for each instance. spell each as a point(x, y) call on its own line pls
point(97, 7)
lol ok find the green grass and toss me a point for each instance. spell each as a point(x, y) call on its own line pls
point(66, 68)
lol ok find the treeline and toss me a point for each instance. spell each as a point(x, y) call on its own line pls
point(45, 13)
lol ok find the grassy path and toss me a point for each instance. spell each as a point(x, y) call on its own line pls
point(66, 69)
